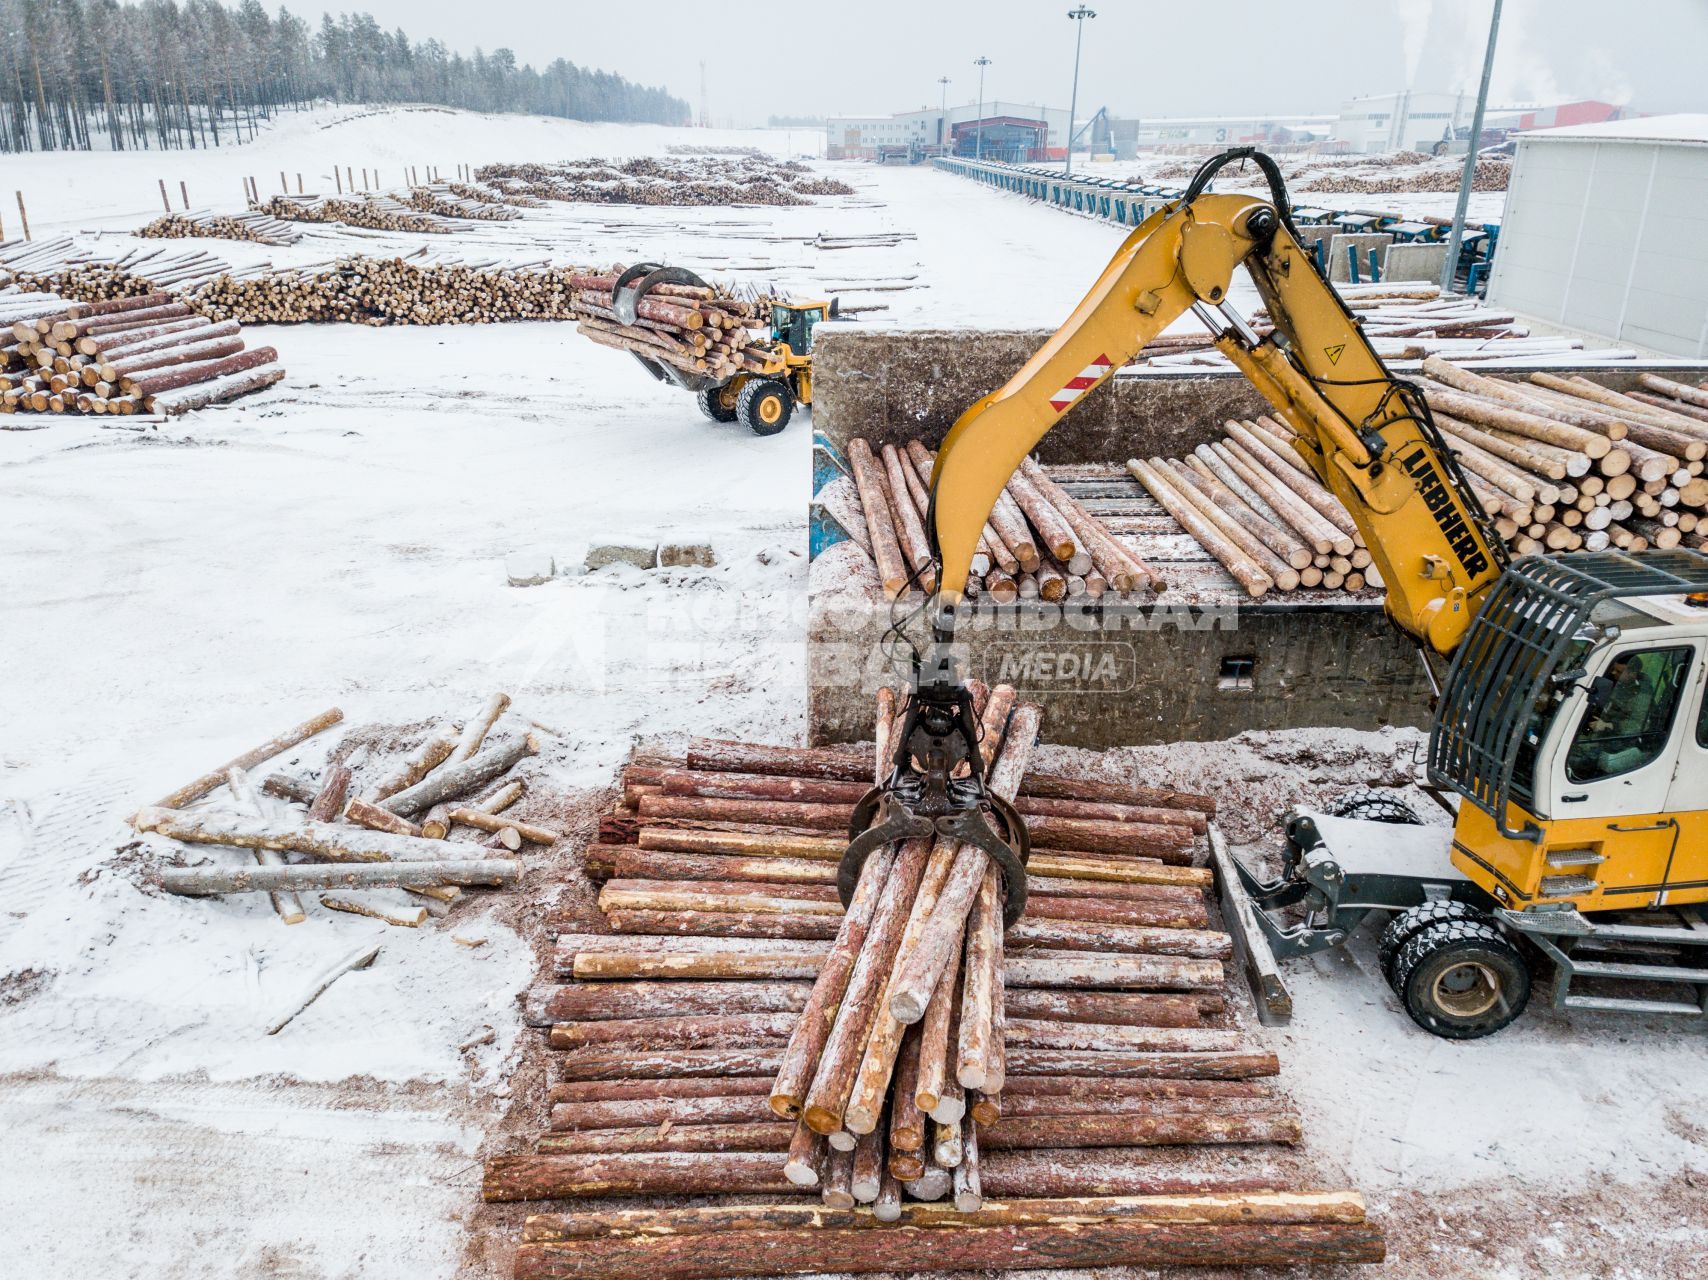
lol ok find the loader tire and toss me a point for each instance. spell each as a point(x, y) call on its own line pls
point(1409, 923)
point(1370, 805)
point(765, 406)
point(718, 403)
point(1462, 980)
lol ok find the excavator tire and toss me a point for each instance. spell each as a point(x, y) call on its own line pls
point(1370, 805)
point(765, 405)
point(1407, 924)
point(718, 403)
point(1462, 980)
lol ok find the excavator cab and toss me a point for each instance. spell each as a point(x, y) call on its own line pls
point(792, 323)
point(1573, 726)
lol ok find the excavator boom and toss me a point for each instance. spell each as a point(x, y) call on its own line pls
point(1364, 432)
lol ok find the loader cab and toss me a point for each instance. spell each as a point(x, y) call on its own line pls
point(1574, 723)
point(793, 322)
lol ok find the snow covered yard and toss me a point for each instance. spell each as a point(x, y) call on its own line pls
point(172, 596)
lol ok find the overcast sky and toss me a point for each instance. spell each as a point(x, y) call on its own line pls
point(1191, 57)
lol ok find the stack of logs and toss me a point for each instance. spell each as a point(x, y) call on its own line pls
point(446, 200)
point(377, 213)
point(148, 353)
point(654, 180)
point(255, 227)
point(698, 329)
point(1404, 320)
point(385, 291)
point(364, 824)
point(1039, 542)
point(742, 1035)
point(1252, 502)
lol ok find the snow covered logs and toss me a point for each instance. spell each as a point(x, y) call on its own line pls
point(678, 1035)
point(149, 353)
point(699, 330)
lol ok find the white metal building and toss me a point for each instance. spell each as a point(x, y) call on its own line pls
point(1606, 232)
point(1409, 121)
point(858, 137)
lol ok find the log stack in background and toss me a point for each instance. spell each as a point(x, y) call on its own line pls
point(655, 180)
point(434, 815)
point(376, 213)
point(150, 354)
point(739, 1035)
point(255, 227)
point(701, 330)
point(386, 291)
point(448, 200)
point(1404, 320)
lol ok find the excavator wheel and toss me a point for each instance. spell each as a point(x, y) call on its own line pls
point(1462, 980)
point(765, 405)
point(718, 403)
point(1407, 924)
point(1370, 805)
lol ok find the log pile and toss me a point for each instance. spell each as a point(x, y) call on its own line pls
point(1491, 174)
point(1559, 464)
point(255, 227)
point(1072, 1091)
point(428, 820)
point(445, 200)
point(377, 213)
point(1404, 320)
point(1040, 541)
point(654, 180)
point(384, 291)
point(150, 354)
point(702, 330)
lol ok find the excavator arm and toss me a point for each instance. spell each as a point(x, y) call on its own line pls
point(1366, 434)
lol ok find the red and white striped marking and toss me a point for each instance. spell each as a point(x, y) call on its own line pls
point(1088, 378)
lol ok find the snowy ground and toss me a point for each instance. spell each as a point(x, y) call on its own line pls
point(173, 595)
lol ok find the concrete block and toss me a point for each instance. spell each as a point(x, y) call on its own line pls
point(691, 555)
point(1415, 262)
point(529, 568)
point(642, 555)
point(1380, 241)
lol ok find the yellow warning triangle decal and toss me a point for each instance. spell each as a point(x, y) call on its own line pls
point(1333, 353)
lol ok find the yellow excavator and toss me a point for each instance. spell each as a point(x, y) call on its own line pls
point(1570, 719)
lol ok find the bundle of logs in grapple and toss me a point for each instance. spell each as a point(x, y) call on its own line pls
point(698, 329)
point(149, 353)
point(364, 822)
point(1040, 542)
point(742, 1033)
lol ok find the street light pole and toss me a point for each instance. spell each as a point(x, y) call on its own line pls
point(981, 63)
point(1456, 237)
point(943, 110)
point(1079, 16)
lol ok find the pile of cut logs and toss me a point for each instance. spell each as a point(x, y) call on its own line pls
point(1491, 174)
point(377, 213)
point(382, 291)
point(148, 353)
point(702, 330)
point(1061, 1083)
point(653, 180)
point(445, 200)
point(1040, 542)
point(255, 227)
point(365, 823)
point(1405, 320)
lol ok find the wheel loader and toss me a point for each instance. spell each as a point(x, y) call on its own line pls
point(762, 397)
point(1570, 732)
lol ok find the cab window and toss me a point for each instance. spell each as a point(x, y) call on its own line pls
point(1630, 714)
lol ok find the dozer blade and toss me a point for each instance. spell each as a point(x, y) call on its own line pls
point(1244, 923)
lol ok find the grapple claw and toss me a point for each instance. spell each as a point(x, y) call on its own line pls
point(878, 819)
point(1002, 835)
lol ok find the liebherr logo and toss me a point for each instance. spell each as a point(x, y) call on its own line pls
point(1439, 499)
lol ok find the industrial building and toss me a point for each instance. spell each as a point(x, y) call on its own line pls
point(1602, 232)
point(1422, 121)
point(1018, 132)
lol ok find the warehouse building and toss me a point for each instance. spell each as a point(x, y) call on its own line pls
point(1606, 232)
point(1017, 131)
